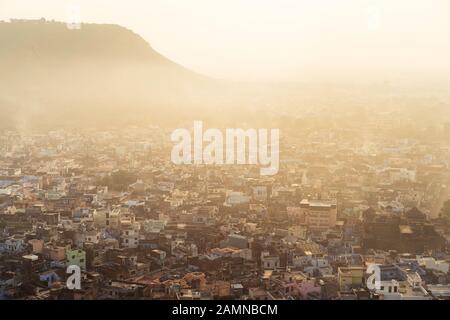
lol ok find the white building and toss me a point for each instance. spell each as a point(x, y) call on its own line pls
point(153, 226)
point(236, 198)
point(433, 264)
point(397, 289)
point(270, 262)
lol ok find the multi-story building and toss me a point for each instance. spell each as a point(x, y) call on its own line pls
point(105, 218)
point(351, 277)
point(319, 214)
point(76, 257)
point(129, 231)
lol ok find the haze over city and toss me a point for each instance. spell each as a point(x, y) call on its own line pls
point(231, 150)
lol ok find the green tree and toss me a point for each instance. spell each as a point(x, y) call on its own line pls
point(119, 180)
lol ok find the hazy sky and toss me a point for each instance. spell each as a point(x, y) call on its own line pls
point(274, 39)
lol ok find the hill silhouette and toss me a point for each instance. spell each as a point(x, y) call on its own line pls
point(99, 74)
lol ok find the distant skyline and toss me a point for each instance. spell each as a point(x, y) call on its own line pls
point(275, 39)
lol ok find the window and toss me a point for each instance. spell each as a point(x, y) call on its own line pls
point(381, 287)
point(395, 289)
point(390, 289)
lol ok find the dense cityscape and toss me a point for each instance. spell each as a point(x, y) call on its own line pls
point(224, 158)
point(140, 227)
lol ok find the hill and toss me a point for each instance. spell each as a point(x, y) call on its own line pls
point(99, 74)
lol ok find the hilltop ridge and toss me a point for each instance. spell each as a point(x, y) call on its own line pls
point(98, 73)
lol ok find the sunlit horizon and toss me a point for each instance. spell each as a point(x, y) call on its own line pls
point(276, 40)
